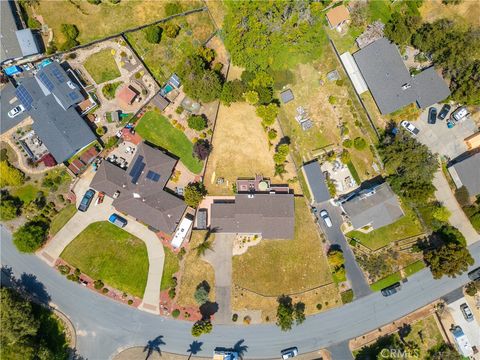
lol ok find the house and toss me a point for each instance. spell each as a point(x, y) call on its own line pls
point(372, 208)
point(139, 190)
point(286, 96)
point(259, 184)
point(50, 98)
point(473, 141)
point(270, 215)
point(466, 172)
point(160, 102)
point(316, 182)
point(127, 95)
point(389, 80)
point(16, 42)
point(337, 16)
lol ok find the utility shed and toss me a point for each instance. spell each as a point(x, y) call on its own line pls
point(286, 96)
point(316, 182)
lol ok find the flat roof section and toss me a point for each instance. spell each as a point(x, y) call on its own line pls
point(354, 73)
point(316, 182)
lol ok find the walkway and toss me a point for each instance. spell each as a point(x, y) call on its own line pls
point(220, 257)
point(457, 218)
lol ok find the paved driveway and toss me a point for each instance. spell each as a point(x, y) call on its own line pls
point(470, 329)
point(354, 274)
point(442, 140)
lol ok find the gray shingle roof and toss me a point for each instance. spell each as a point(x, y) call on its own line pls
point(375, 208)
point(316, 182)
point(467, 173)
point(272, 215)
point(140, 196)
point(26, 41)
point(385, 73)
point(9, 47)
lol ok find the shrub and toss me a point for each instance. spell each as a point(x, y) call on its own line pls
point(339, 82)
point(77, 272)
point(347, 143)
point(153, 34)
point(194, 194)
point(64, 269)
point(462, 196)
point(173, 8)
point(30, 236)
point(100, 131)
point(201, 295)
point(234, 317)
point(176, 313)
point(71, 33)
point(94, 2)
point(202, 148)
point(98, 284)
point(181, 253)
point(268, 113)
point(233, 91)
point(197, 122)
point(251, 97)
point(130, 302)
point(171, 30)
point(345, 157)
point(247, 320)
point(319, 306)
point(272, 134)
point(201, 327)
point(347, 296)
point(179, 110)
point(471, 289)
point(217, 67)
point(104, 290)
point(33, 23)
point(332, 99)
point(359, 143)
point(172, 293)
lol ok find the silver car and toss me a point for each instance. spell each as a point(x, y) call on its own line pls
point(289, 353)
point(467, 313)
point(326, 218)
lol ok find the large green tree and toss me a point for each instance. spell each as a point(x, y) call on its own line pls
point(194, 193)
point(30, 236)
point(10, 206)
point(289, 313)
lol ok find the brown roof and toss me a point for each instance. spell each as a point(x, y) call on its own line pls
point(337, 15)
point(142, 188)
point(272, 215)
point(127, 94)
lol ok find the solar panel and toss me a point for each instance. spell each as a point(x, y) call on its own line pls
point(46, 81)
point(152, 175)
point(57, 73)
point(73, 95)
point(137, 169)
point(24, 96)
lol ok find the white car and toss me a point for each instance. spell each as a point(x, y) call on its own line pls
point(410, 127)
point(326, 218)
point(15, 111)
point(289, 353)
point(460, 113)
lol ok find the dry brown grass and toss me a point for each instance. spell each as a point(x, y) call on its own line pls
point(194, 270)
point(218, 11)
point(468, 11)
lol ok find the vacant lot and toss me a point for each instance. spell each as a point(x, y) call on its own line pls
point(103, 251)
point(102, 66)
point(330, 105)
point(194, 271)
point(162, 58)
point(158, 130)
point(170, 267)
point(466, 12)
point(98, 21)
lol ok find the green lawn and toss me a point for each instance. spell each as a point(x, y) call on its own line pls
point(62, 218)
point(386, 281)
point(414, 267)
point(158, 130)
point(403, 228)
point(379, 10)
point(102, 66)
point(104, 251)
point(170, 267)
point(26, 193)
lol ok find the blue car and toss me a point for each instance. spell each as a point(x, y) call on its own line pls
point(86, 200)
point(117, 220)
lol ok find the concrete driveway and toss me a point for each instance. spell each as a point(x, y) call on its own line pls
point(470, 329)
point(442, 140)
point(156, 256)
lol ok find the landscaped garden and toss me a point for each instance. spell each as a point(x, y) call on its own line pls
point(158, 130)
point(110, 89)
point(102, 66)
point(170, 267)
point(105, 252)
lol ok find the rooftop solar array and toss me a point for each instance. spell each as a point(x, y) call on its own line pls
point(58, 75)
point(137, 169)
point(46, 81)
point(73, 95)
point(152, 175)
point(24, 96)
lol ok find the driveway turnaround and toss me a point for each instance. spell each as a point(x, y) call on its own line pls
point(156, 256)
point(104, 326)
point(457, 218)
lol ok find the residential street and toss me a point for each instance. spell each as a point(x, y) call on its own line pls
point(458, 218)
point(335, 236)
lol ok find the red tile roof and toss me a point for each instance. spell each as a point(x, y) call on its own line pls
point(127, 95)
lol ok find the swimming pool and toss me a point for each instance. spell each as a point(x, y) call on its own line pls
point(166, 89)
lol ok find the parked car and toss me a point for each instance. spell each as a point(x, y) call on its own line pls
point(444, 112)
point(460, 113)
point(117, 220)
point(410, 127)
point(474, 274)
point(391, 290)
point(326, 218)
point(466, 312)
point(15, 111)
point(432, 115)
point(289, 353)
point(86, 200)
point(101, 196)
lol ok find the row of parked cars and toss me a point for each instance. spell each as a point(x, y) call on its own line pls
point(87, 199)
point(433, 115)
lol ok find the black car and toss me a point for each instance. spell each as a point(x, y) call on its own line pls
point(474, 274)
point(444, 111)
point(392, 289)
point(432, 115)
point(86, 200)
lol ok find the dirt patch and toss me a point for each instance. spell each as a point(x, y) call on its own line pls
point(465, 12)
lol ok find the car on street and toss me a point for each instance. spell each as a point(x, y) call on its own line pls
point(391, 290)
point(466, 312)
point(444, 112)
point(432, 115)
point(15, 111)
point(289, 353)
point(326, 218)
point(474, 274)
point(410, 127)
point(117, 220)
point(86, 200)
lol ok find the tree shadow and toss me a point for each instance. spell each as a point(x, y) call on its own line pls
point(204, 284)
point(239, 348)
point(154, 346)
point(283, 141)
point(194, 348)
point(403, 331)
point(208, 309)
point(30, 284)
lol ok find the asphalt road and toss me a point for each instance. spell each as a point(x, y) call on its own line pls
point(104, 326)
point(335, 236)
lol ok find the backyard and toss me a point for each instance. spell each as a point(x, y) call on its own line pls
point(300, 263)
point(194, 271)
point(104, 251)
point(158, 130)
point(162, 58)
point(98, 21)
point(102, 66)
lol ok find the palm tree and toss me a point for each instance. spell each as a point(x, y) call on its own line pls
point(206, 244)
point(280, 170)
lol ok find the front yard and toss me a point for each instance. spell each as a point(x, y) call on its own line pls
point(104, 251)
point(158, 130)
point(102, 66)
point(62, 218)
point(170, 267)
